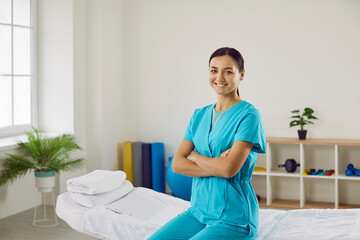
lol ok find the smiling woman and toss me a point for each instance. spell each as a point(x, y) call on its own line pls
point(219, 151)
point(226, 64)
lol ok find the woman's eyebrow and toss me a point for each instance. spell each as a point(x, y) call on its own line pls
point(224, 68)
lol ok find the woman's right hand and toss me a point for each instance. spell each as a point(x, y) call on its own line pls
point(224, 154)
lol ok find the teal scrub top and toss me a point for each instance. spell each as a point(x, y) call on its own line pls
point(226, 200)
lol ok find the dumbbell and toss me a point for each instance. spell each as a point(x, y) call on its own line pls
point(290, 165)
point(329, 172)
point(318, 172)
point(311, 171)
point(351, 170)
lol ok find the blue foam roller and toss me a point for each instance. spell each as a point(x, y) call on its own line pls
point(179, 184)
point(157, 167)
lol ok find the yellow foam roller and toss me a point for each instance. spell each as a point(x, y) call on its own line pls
point(259, 169)
point(128, 161)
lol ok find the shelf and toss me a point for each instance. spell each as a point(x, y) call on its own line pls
point(294, 204)
point(319, 177)
point(349, 206)
point(283, 204)
point(344, 177)
point(259, 173)
point(319, 153)
point(340, 142)
point(284, 174)
point(322, 205)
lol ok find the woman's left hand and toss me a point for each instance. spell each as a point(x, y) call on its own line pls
point(192, 156)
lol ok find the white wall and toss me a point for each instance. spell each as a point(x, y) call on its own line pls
point(104, 84)
point(55, 66)
point(297, 54)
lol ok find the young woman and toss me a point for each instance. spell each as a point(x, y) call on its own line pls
point(219, 150)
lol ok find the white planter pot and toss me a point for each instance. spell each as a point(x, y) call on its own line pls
point(44, 181)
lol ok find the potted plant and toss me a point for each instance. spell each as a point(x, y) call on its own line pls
point(301, 121)
point(46, 155)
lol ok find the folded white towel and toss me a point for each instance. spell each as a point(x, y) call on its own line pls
point(103, 198)
point(98, 181)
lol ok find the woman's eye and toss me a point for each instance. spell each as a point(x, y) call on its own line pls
point(228, 72)
point(213, 71)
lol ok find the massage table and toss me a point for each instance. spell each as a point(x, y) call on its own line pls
point(141, 212)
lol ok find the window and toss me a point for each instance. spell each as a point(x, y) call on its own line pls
point(17, 65)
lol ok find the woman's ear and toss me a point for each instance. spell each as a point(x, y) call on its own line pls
point(242, 74)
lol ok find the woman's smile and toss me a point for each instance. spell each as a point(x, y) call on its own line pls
point(220, 85)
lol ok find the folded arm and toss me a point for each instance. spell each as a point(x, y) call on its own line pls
point(193, 164)
point(183, 165)
point(227, 166)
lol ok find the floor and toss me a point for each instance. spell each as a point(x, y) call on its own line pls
point(19, 227)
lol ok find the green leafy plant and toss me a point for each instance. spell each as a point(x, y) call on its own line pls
point(42, 154)
point(303, 119)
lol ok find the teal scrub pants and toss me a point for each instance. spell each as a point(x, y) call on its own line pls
point(186, 226)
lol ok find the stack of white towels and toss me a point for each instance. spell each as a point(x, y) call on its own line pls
point(99, 187)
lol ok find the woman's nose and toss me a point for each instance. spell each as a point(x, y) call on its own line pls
point(219, 76)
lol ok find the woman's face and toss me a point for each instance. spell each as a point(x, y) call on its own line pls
point(224, 75)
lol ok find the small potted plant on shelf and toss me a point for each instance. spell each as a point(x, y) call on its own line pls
point(302, 120)
point(46, 155)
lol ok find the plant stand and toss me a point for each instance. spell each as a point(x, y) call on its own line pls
point(45, 221)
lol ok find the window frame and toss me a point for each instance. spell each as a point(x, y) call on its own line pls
point(15, 130)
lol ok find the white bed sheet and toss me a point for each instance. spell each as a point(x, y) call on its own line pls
point(319, 224)
point(71, 212)
point(143, 211)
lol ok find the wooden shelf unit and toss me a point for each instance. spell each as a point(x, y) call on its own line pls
point(271, 202)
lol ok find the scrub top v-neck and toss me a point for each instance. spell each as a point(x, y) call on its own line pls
point(230, 201)
point(216, 115)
